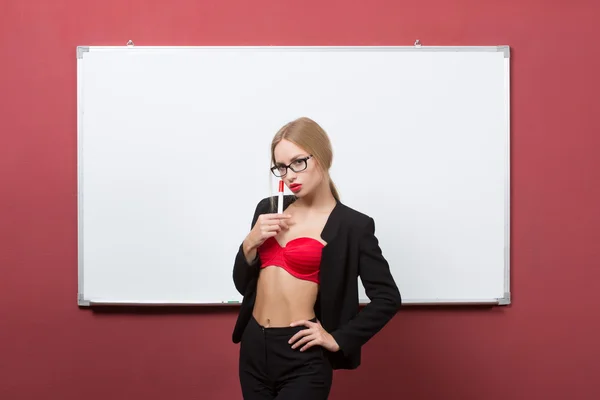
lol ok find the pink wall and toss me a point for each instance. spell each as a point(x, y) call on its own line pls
point(544, 346)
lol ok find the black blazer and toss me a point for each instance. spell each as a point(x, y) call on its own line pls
point(352, 250)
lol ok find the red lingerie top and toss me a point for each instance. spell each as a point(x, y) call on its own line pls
point(301, 257)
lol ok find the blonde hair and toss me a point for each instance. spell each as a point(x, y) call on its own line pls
point(309, 135)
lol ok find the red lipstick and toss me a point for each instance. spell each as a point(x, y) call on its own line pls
point(295, 187)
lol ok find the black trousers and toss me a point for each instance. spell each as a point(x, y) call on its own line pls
point(270, 369)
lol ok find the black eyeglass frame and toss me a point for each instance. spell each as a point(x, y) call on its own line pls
point(275, 169)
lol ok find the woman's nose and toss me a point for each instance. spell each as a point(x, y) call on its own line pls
point(291, 175)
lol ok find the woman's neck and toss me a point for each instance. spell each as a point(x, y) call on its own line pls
point(321, 200)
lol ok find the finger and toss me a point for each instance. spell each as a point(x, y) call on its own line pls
point(274, 216)
point(268, 219)
point(303, 341)
point(277, 225)
point(271, 228)
point(271, 222)
point(308, 324)
point(264, 234)
point(298, 335)
point(310, 344)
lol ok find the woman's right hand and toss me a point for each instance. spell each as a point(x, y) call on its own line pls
point(266, 226)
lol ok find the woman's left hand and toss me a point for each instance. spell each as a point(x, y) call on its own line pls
point(314, 335)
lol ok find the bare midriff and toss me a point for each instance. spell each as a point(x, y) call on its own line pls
point(282, 298)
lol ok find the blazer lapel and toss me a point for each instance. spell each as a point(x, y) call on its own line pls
point(332, 225)
point(329, 273)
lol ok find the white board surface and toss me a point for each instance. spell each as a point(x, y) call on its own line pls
point(173, 155)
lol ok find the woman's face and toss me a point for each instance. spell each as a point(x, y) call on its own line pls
point(303, 182)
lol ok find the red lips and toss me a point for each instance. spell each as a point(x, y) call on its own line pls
point(294, 187)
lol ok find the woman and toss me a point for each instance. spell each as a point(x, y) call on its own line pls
point(297, 271)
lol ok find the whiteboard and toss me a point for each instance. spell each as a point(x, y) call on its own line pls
point(173, 156)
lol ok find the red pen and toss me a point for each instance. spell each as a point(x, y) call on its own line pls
point(280, 198)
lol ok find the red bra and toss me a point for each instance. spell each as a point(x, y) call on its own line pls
point(301, 257)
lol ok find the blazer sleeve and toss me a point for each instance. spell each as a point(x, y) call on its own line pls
point(381, 289)
point(243, 273)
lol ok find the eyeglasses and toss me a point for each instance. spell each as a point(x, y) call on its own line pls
point(297, 165)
